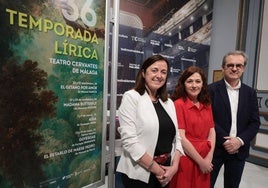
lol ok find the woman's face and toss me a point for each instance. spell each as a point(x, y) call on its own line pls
point(155, 75)
point(193, 85)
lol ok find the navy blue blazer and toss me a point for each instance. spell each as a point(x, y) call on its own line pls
point(248, 120)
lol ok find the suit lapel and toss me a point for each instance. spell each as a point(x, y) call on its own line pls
point(241, 100)
point(224, 95)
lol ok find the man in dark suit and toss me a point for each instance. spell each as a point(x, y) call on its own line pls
point(236, 117)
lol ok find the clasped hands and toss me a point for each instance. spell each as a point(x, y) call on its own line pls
point(232, 144)
point(206, 166)
point(165, 178)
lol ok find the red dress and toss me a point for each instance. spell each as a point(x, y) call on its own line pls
point(197, 123)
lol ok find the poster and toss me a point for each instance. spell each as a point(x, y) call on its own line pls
point(51, 98)
point(179, 31)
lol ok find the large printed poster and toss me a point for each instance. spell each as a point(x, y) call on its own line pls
point(178, 30)
point(51, 96)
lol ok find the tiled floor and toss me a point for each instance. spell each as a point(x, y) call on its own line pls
point(254, 176)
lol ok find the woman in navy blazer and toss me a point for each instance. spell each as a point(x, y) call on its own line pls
point(236, 117)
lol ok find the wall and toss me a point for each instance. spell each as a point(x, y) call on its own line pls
point(224, 32)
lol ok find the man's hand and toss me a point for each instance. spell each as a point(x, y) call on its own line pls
point(232, 144)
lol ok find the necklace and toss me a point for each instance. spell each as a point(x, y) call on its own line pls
point(156, 101)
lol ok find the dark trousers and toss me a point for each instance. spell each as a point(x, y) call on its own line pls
point(233, 170)
point(131, 183)
point(118, 179)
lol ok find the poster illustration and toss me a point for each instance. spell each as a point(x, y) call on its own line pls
point(51, 79)
point(178, 30)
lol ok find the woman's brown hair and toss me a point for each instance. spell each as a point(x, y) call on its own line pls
point(180, 91)
point(140, 81)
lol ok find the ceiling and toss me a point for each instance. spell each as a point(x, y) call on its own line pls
point(152, 12)
point(167, 17)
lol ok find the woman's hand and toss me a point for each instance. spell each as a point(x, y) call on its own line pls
point(162, 180)
point(169, 172)
point(206, 166)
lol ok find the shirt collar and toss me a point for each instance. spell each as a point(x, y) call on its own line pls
point(228, 86)
point(190, 104)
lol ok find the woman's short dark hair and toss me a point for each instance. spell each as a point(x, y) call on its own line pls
point(140, 81)
point(180, 91)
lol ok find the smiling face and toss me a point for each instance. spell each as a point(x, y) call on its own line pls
point(233, 68)
point(193, 86)
point(155, 76)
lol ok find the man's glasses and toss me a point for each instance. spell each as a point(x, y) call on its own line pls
point(231, 66)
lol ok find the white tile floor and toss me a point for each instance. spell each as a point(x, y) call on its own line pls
point(254, 176)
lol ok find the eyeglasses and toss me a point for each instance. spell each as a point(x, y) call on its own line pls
point(231, 66)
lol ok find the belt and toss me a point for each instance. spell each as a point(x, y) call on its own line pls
point(162, 159)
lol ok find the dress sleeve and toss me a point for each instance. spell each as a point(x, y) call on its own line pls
point(211, 121)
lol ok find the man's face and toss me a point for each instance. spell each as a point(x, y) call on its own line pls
point(234, 68)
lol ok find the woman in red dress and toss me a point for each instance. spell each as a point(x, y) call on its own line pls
point(196, 127)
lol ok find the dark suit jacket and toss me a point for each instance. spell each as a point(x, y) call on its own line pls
point(248, 120)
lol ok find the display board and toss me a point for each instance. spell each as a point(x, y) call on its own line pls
point(178, 30)
point(51, 97)
point(135, 47)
